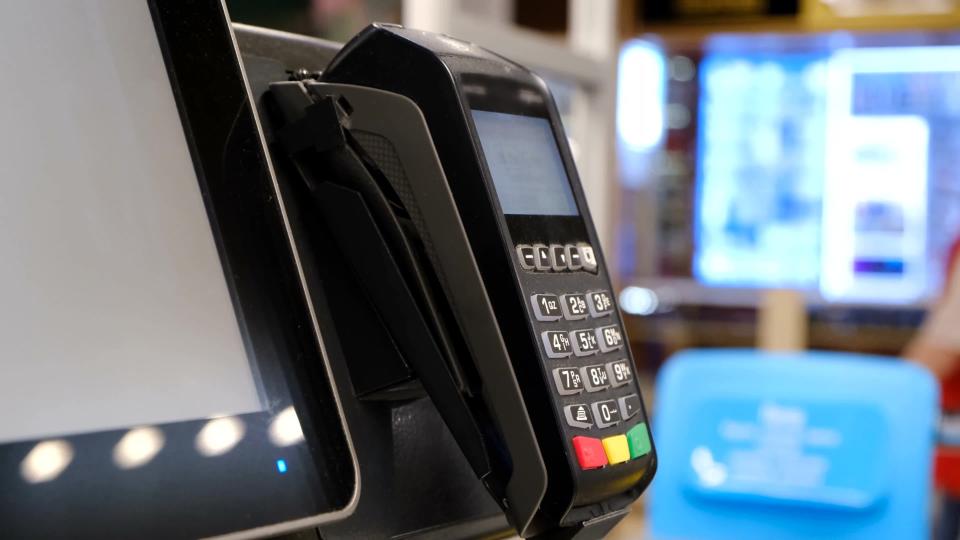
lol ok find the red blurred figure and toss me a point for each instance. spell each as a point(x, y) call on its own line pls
point(937, 347)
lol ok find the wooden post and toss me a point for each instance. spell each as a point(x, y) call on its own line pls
point(782, 321)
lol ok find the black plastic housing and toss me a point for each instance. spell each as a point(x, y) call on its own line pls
point(433, 71)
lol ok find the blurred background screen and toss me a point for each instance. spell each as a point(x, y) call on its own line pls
point(760, 168)
point(819, 162)
point(117, 308)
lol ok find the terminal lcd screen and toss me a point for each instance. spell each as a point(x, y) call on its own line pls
point(525, 164)
point(115, 306)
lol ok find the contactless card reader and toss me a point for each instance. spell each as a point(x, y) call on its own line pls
point(459, 159)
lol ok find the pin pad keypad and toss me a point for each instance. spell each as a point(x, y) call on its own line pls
point(581, 336)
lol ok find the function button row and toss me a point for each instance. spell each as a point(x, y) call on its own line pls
point(598, 453)
point(557, 257)
point(571, 380)
point(603, 414)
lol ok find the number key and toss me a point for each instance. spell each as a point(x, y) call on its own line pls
point(611, 338)
point(584, 342)
point(547, 307)
point(556, 344)
point(606, 413)
point(601, 303)
point(620, 372)
point(595, 377)
point(574, 306)
point(569, 381)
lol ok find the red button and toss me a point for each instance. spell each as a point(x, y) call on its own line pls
point(590, 452)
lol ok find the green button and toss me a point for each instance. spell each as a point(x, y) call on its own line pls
point(639, 440)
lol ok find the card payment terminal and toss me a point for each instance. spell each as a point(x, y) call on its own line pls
point(456, 159)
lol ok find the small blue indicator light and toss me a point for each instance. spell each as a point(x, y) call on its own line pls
point(281, 466)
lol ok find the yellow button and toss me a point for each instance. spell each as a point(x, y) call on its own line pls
point(617, 449)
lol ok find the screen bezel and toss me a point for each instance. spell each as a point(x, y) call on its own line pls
point(240, 493)
point(492, 93)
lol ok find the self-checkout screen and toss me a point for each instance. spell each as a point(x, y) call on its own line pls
point(115, 307)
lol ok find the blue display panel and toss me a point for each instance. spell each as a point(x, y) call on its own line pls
point(828, 170)
point(760, 178)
